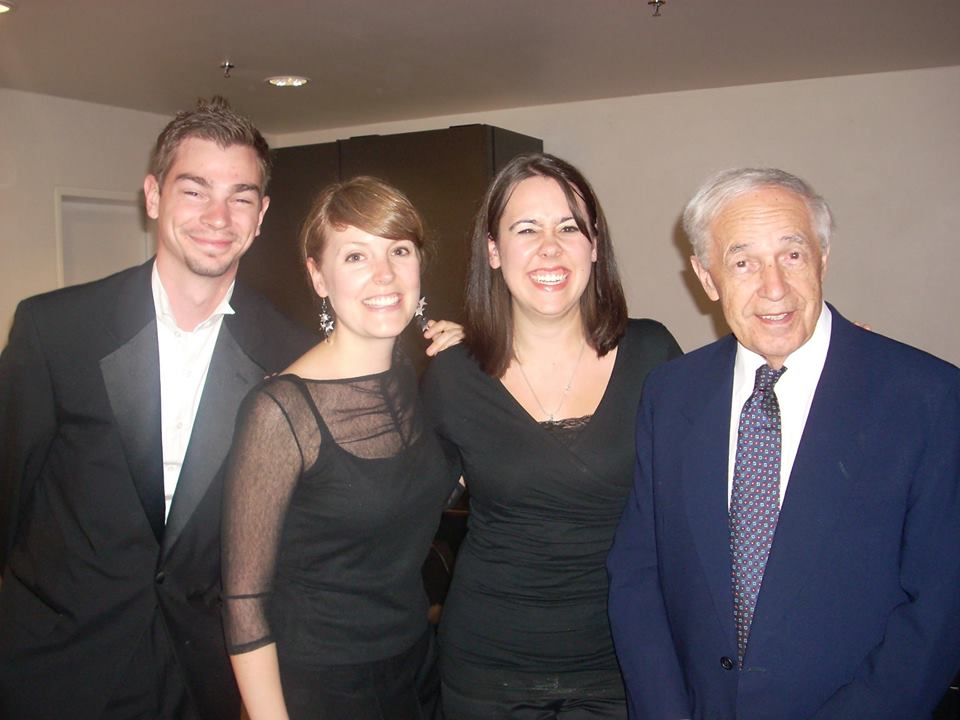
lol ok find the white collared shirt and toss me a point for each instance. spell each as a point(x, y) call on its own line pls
point(794, 391)
point(184, 362)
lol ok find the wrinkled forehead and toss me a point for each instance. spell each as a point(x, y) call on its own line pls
point(763, 214)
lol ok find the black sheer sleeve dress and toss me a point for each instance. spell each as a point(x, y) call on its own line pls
point(526, 619)
point(333, 494)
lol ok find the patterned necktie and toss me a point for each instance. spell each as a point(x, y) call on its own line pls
point(755, 501)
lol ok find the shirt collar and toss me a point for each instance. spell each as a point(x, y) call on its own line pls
point(161, 303)
point(806, 359)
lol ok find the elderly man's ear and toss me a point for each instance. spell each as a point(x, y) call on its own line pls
point(705, 278)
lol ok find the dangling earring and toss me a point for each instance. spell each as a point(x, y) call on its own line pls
point(421, 313)
point(327, 322)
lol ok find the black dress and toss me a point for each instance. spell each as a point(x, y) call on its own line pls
point(333, 495)
point(526, 617)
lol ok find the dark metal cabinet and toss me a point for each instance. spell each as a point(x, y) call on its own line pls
point(444, 172)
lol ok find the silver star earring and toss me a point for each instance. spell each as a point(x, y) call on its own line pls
point(421, 313)
point(327, 322)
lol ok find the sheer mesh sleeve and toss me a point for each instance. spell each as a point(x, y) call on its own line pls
point(266, 461)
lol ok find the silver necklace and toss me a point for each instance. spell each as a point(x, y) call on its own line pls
point(563, 396)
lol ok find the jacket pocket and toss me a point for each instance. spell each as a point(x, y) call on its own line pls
point(21, 607)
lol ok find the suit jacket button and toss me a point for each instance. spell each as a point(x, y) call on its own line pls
point(726, 663)
point(159, 577)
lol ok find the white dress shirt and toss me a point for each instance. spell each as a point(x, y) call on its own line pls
point(184, 361)
point(794, 391)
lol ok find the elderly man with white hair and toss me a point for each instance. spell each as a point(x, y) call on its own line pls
point(789, 549)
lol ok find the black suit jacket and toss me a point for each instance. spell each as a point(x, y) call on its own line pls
point(87, 560)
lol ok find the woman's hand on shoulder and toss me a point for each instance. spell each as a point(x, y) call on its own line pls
point(443, 334)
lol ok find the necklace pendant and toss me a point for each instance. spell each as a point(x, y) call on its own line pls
point(566, 389)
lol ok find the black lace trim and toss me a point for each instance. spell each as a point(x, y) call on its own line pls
point(567, 429)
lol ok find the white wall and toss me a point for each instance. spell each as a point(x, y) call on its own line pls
point(883, 149)
point(45, 143)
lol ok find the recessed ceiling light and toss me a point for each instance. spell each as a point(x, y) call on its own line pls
point(287, 80)
point(5, 6)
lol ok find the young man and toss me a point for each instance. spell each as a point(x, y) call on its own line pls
point(117, 407)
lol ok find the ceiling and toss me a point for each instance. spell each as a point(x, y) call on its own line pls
point(380, 60)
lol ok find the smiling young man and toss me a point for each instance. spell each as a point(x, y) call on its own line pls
point(118, 405)
point(787, 549)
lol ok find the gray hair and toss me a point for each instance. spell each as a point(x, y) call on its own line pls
point(708, 202)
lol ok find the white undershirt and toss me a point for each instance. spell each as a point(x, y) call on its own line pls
point(184, 362)
point(794, 391)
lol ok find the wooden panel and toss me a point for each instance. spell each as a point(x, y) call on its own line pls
point(273, 265)
point(444, 172)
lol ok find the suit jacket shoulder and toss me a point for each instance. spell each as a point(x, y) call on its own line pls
point(651, 335)
point(269, 338)
point(886, 362)
point(696, 373)
point(121, 303)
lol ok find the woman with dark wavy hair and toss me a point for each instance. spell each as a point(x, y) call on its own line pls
point(540, 404)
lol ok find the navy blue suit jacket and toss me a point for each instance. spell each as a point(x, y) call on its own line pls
point(859, 612)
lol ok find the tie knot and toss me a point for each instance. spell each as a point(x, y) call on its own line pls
point(767, 377)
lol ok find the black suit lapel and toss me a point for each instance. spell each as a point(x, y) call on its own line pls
point(131, 375)
point(231, 375)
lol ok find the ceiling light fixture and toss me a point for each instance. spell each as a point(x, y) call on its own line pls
point(6, 6)
point(287, 80)
point(656, 4)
